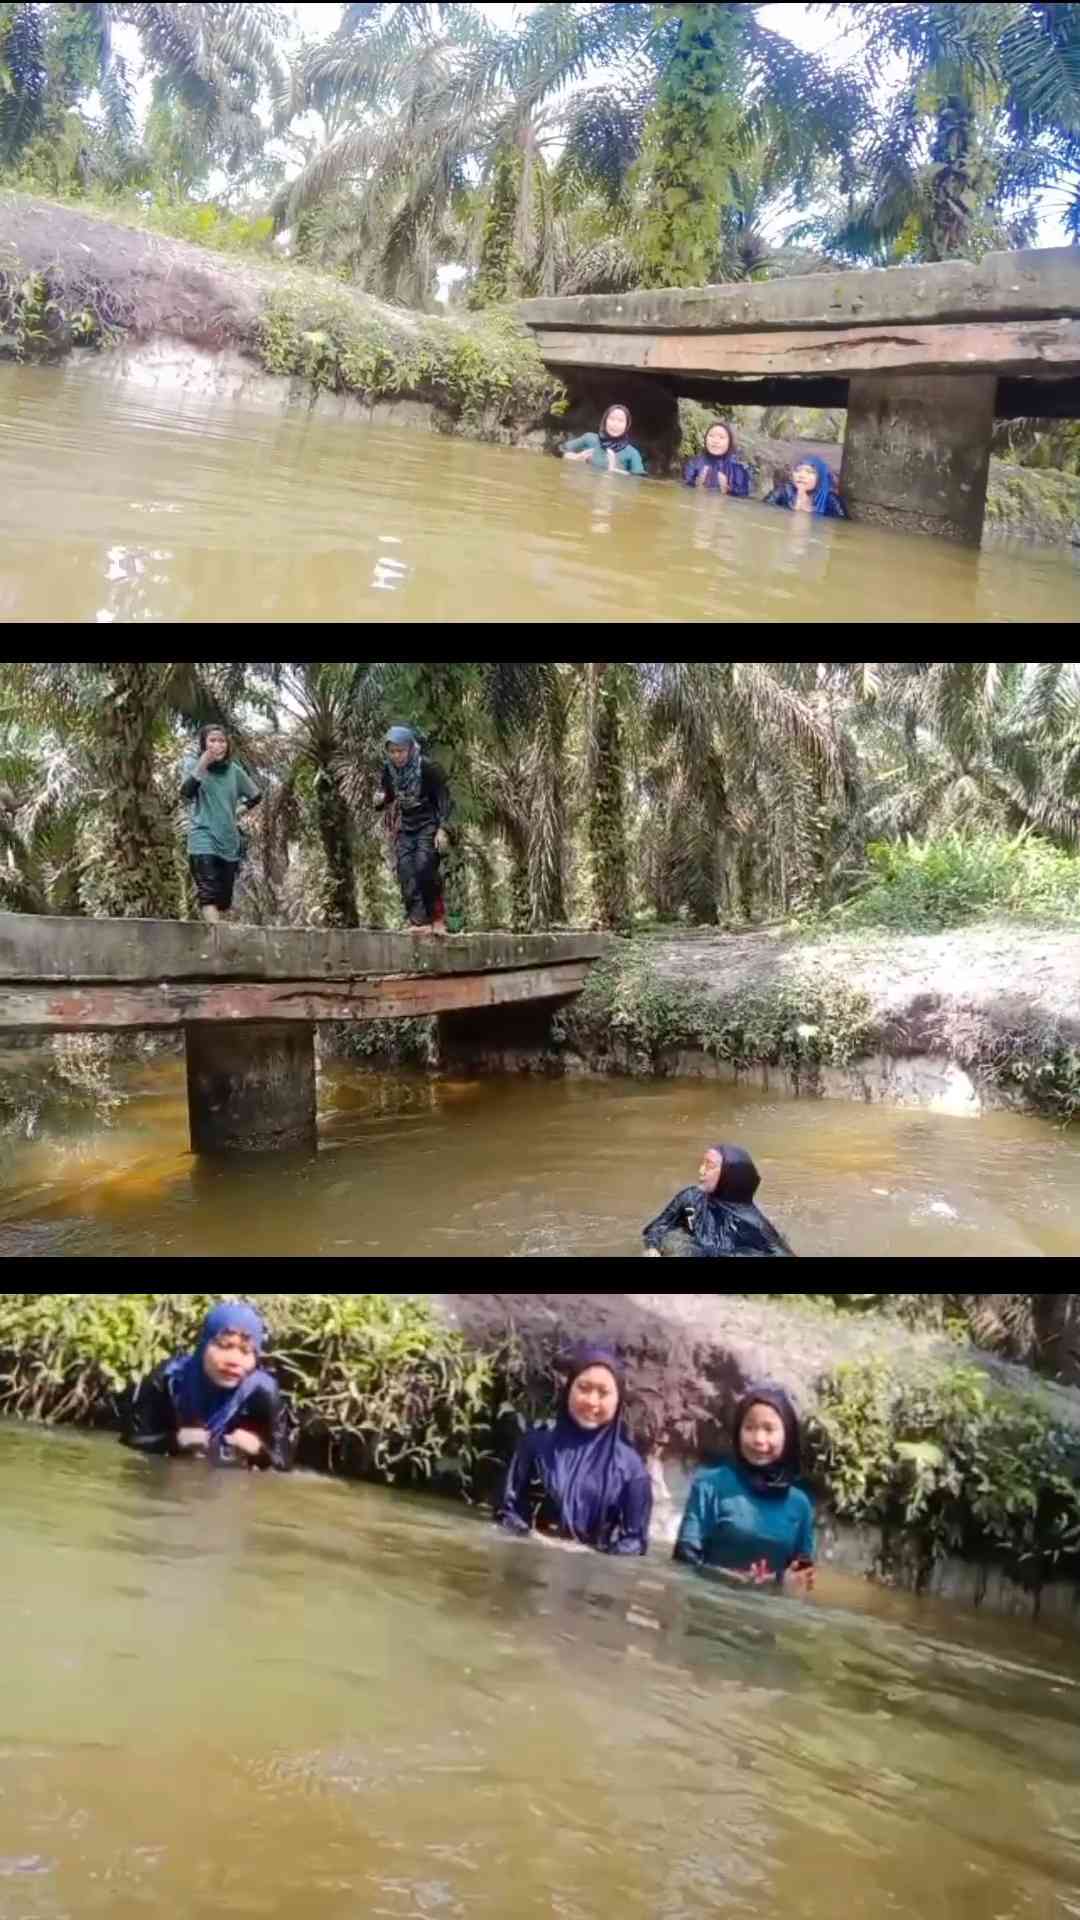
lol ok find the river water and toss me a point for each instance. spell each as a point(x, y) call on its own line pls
point(130, 505)
point(277, 1698)
point(518, 1167)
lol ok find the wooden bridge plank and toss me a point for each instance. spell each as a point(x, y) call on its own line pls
point(105, 1008)
point(1010, 346)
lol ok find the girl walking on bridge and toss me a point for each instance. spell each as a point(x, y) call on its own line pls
point(217, 786)
point(415, 795)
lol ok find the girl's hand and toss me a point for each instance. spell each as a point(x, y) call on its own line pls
point(442, 841)
point(585, 454)
point(241, 1441)
point(759, 1575)
point(192, 1439)
point(799, 1582)
point(721, 481)
point(611, 461)
point(653, 1253)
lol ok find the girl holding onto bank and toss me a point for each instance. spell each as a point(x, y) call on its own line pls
point(718, 1218)
point(216, 1403)
point(811, 489)
point(716, 467)
point(580, 1480)
point(611, 449)
point(749, 1519)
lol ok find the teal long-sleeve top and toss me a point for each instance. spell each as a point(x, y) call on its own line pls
point(729, 1524)
point(628, 461)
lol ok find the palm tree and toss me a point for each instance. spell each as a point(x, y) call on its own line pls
point(23, 76)
point(212, 64)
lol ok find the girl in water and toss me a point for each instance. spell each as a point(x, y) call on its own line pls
point(749, 1519)
point(717, 1219)
point(609, 449)
point(216, 1403)
point(811, 489)
point(716, 466)
point(580, 1480)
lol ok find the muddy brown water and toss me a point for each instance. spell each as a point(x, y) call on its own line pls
point(136, 505)
point(225, 1695)
point(517, 1167)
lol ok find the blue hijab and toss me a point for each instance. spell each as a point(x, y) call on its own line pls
point(584, 1473)
point(407, 779)
point(198, 1401)
point(823, 493)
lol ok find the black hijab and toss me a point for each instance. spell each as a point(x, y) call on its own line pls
point(609, 444)
point(215, 726)
point(780, 1477)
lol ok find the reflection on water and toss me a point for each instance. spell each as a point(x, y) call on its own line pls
point(531, 1169)
point(132, 506)
point(289, 1697)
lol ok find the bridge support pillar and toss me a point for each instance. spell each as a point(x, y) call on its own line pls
point(917, 451)
point(251, 1088)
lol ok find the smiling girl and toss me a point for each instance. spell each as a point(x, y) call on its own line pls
point(216, 1403)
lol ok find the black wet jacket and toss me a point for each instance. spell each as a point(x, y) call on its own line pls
point(432, 806)
point(725, 1224)
point(153, 1421)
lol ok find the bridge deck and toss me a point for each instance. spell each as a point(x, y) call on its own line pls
point(60, 975)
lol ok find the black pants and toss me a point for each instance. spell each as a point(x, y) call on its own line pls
point(214, 879)
point(419, 874)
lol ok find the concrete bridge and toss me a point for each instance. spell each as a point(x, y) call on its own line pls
point(248, 999)
point(923, 358)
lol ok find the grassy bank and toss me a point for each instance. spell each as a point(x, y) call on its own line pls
point(907, 1435)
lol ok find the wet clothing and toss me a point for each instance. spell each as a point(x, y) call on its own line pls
point(214, 880)
point(592, 1487)
point(724, 1224)
point(706, 468)
point(627, 457)
point(181, 1394)
point(728, 1524)
point(215, 796)
point(738, 1515)
point(825, 499)
point(421, 794)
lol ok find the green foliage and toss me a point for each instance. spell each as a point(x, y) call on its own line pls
point(691, 148)
point(955, 879)
point(379, 1386)
point(798, 1027)
point(948, 1463)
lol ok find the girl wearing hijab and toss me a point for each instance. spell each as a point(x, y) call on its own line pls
point(216, 786)
point(716, 466)
point(580, 1480)
point(718, 1219)
point(417, 794)
point(811, 489)
point(611, 447)
point(216, 1403)
point(749, 1518)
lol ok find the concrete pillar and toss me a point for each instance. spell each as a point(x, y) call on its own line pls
point(917, 451)
point(251, 1088)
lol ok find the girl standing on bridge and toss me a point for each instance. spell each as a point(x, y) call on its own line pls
point(609, 450)
point(217, 786)
point(811, 489)
point(416, 793)
point(716, 466)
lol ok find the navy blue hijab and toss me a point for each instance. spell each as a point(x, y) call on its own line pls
point(584, 1472)
point(198, 1401)
point(824, 495)
point(784, 1473)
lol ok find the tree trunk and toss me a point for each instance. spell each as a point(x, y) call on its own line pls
point(1057, 1335)
point(138, 881)
point(607, 812)
point(336, 838)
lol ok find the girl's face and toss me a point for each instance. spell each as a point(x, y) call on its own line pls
point(594, 1399)
point(616, 422)
point(717, 442)
point(229, 1359)
point(217, 743)
point(762, 1438)
point(805, 479)
point(399, 755)
point(711, 1169)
